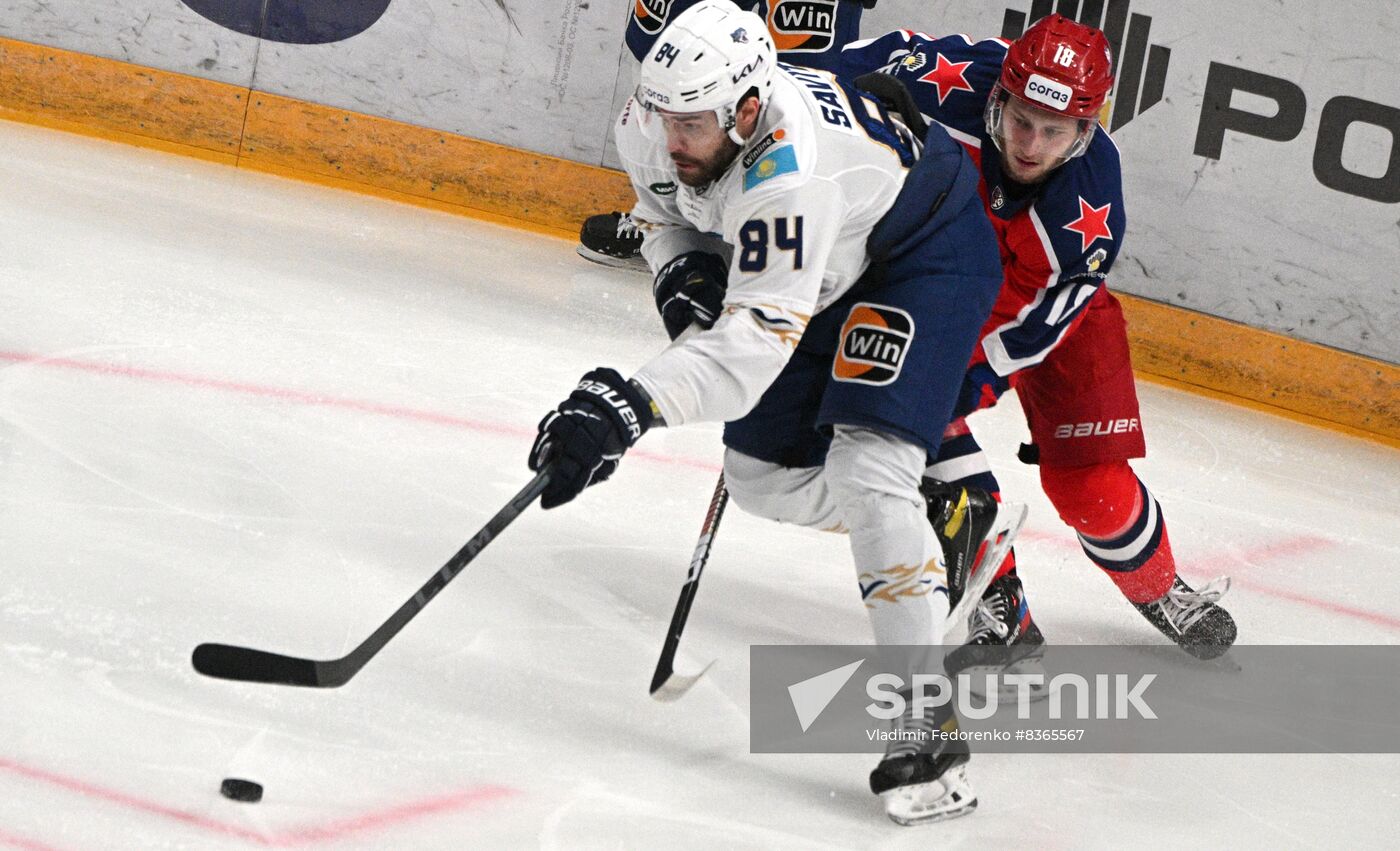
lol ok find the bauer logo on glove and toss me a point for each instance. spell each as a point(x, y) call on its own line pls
point(585, 436)
point(623, 408)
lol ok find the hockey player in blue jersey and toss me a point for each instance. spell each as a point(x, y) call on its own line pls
point(846, 271)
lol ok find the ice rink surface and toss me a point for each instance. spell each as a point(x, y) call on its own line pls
point(239, 408)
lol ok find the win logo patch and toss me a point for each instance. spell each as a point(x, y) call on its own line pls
point(1139, 68)
point(874, 343)
point(802, 26)
point(651, 15)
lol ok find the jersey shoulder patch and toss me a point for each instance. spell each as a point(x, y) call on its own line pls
point(769, 161)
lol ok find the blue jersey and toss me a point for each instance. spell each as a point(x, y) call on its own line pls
point(1058, 238)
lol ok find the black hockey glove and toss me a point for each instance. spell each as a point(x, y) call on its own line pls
point(690, 291)
point(585, 436)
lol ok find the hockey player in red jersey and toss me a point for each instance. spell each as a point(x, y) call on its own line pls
point(1051, 180)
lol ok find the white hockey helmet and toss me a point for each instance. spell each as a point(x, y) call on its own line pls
point(708, 59)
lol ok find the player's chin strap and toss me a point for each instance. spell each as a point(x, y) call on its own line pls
point(733, 133)
point(730, 122)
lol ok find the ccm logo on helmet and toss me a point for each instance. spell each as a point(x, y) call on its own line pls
point(1047, 91)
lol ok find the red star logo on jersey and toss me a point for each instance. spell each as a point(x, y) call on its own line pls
point(1092, 223)
point(948, 77)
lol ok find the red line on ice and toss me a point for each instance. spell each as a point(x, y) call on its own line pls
point(302, 397)
point(290, 838)
point(1246, 558)
point(404, 812)
point(1335, 608)
point(92, 790)
point(23, 844)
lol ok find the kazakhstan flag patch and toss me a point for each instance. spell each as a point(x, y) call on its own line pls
point(777, 161)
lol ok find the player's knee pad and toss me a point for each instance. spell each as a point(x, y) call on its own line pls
point(1097, 500)
point(786, 494)
point(874, 478)
point(866, 468)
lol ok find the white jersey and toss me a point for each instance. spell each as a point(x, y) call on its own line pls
point(795, 209)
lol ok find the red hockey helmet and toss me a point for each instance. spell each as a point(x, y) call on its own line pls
point(1060, 51)
point(1059, 66)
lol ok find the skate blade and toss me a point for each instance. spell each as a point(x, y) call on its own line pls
point(635, 264)
point(1216, 656)
point(977, 677)
point(1000, 536)
point(936, 800)
point(676, 685)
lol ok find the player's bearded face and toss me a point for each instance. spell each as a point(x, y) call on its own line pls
point(1034, 142)
point(699, 149)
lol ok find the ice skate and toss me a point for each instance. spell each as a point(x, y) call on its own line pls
point(1193, 619)
point(612, 239)
point(923, 778)
point(1002, 638)
point(976, 533)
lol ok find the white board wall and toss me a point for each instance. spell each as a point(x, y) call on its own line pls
point(1243, 227)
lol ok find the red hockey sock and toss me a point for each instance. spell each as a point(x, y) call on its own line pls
point(1119, 523)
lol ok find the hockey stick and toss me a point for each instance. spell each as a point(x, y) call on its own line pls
point(666, 684)
point(259, 666)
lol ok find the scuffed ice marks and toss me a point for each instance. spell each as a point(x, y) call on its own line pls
point(510, 18)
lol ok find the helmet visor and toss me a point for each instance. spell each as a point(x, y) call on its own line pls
point(995, 117)
point(664, 127)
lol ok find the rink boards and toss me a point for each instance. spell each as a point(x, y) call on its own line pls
point(235, 122)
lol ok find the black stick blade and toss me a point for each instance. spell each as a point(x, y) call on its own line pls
point(245, 664)
point(662, 673)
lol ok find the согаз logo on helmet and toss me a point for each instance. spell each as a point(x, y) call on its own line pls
point(1048, 92)
point(1139, 67)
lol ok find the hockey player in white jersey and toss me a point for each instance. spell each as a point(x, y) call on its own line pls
point(839, 281)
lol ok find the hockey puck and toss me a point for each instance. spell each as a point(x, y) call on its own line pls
point(241, 790)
